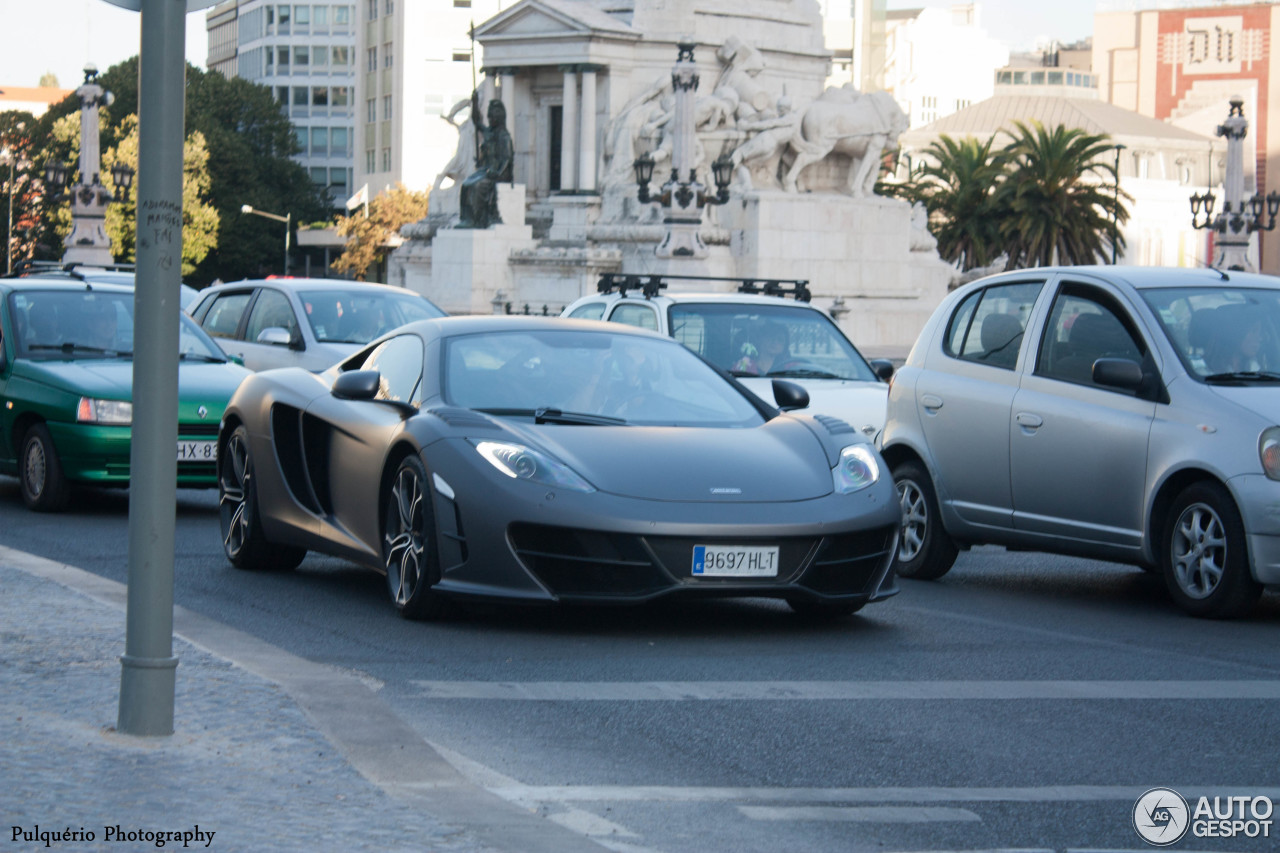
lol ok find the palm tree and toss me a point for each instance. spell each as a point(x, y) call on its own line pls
point(959, 185)
point(1060, 198)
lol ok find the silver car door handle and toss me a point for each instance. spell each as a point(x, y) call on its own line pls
point(1029, 421)
point(931, 401)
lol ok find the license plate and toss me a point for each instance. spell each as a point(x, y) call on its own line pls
point(198, 451)
point(734, 561)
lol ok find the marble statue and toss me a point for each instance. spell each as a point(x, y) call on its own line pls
point(479, 206)
point(463, 162)
point(845, 121)
point(756, 161)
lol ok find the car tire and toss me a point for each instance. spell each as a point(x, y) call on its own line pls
point(1206, 558)
point(822, 610)
point(925, 551)
point(246, 546)
point(44, 487)
point(409, 551)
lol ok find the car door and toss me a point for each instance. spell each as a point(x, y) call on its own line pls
point(1078, 450)
point(964, 397)
point(359, 432)
point(8, 352)
point(271, 310)
point(224, 317)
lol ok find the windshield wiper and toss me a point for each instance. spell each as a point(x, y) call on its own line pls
point(199, 356)
point(806, 373)
point(1244, 376)
point(550, 415)
point(71, 347)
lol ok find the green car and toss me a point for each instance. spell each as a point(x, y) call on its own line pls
point(66, 379)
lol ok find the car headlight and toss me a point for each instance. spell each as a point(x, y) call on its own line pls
point(1269, 451)
point(856, 469)
point(112, 412)
point(525, 463)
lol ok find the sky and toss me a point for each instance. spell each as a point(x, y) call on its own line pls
point(61, 36)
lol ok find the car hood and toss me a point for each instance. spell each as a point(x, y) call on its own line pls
point(778, 461)
point(113, 379)
point(1263, 400)
point(860, 404)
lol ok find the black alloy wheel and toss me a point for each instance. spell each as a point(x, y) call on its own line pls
point(409, 549)
point(242, 538)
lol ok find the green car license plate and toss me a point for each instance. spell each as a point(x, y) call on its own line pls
point(734, 561)
point(197, 451)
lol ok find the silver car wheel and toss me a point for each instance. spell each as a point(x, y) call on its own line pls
point(232, 488)
point(1199, 551)
point(915, 520)
point(404, 542)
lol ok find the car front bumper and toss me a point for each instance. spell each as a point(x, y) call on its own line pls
point(94, 454)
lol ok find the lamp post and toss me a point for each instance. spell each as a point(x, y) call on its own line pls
point(1240, 216)
point(1115, 208)
point(287, 219)
point(683, 197)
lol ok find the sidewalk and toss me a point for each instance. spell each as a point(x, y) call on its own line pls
point(245, 764)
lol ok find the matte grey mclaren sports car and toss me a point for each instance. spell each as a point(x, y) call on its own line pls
point(538, 460)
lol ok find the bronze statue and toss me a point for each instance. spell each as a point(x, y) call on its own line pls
point(479, 201)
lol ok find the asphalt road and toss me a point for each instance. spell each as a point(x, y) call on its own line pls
point(1022, 702)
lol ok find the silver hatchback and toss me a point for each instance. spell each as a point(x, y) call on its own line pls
point(1122, 413)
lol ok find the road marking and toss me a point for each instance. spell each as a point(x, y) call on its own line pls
point(867, 814)
point(713, 691)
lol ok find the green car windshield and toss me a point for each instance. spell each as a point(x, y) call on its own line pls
point(85, 324)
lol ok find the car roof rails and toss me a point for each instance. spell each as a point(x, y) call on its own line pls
point(28, 266)
point(652, 285)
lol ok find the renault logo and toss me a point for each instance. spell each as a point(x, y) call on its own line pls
point(202, 412)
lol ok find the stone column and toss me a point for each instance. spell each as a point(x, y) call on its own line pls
point(587, 145)
point(507, 79)
point(569, 131)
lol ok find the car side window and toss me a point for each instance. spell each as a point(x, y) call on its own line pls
point(272, 310)
point(642, 316)
point(399, 360)
point(988, 325)
point(223, 317)
point(1083, 327)
point(590, 311)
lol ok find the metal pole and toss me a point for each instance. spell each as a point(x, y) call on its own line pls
point(148, 665)
point(288, 226)
point(1115, 210)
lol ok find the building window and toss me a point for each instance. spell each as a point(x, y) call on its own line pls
point(320, 15)
point(338, 179)
point(462, 4)
point(319, 141)
point(302, 16)
point(373, 59)
point(282, 94)
point(320, 96)
point(961, 103)
point(320, 56)
point(271, 16)
point(300, 134)
point(282, 59)
point(341, 56)
point(339, 96)
point(462, 56)
point(319, 175)
point(373, 10)
point(386, 159)
point(390, 7)
point(341, 16)
point(283, 16)
point(369, 162)
point(371, 110)
point(387, 56)
point(302, 57)
point(338, 141)
point(386, 107)
point(300, 96)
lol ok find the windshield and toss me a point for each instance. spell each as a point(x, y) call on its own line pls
point(62, 324)
point(560, 376)
point(1229, 334)
point(358, 316)
point(767, 340)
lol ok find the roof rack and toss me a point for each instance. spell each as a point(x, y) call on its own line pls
point(651, 285)
point(29, 266)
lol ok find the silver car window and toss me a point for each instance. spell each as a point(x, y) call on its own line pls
point(590, 311)
point(988, 326)
point(1081, 330)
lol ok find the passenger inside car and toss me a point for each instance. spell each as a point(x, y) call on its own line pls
point(767, 350)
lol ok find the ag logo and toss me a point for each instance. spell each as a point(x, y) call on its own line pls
point(1161, 817)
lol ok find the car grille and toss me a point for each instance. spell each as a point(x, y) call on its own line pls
point(198, 430)
point(583, 562)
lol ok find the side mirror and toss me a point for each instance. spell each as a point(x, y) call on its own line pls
point(1118, 373)
point(357, 385)
point(789, 395)
point(277, 336)
point(883, 368)
point(296, 342)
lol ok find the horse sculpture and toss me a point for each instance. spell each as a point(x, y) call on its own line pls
point(842, 120)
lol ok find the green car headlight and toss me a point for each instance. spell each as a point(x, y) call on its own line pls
point(856, 469)
point(111, 412)
point(525, 463)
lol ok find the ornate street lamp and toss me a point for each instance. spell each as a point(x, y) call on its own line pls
point(122, 178)
point(683, 197)
point(1239, 216)
point(287, 219)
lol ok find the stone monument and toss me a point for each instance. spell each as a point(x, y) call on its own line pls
point(589, 87)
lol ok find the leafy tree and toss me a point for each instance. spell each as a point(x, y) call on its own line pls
point(48, 80)
point(21, 192)
point(1059, 199)
point(959, 186)
point(371, 238)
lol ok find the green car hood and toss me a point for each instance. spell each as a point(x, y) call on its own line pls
point(205, 383)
